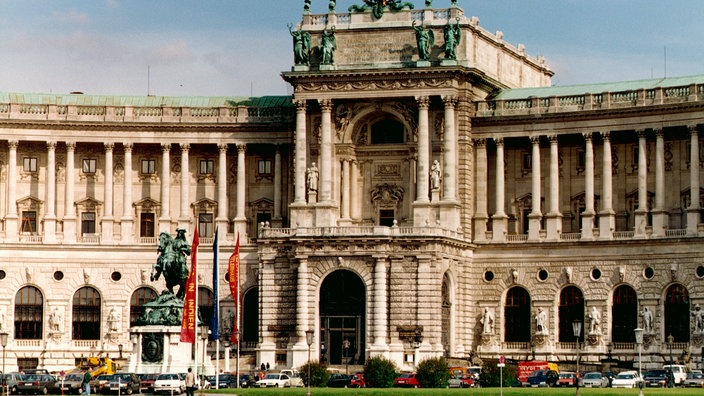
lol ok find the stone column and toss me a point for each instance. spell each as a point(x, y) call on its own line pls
point(355, 203)
point(165, 219)
point(423, 150)
point(11, 216)
point(554, 217)
point(589, 213)
point(325, 185)
point(276, 220)
point(641, 219)
point(222, 218)
point(607, 216)
point(69, 208)
point(481, 192)
point(127, 220)
point(50, 216)
point(536, 214)
point(268, 307)
point(184, 219)
point(240, 220)
point(660, 217)
point(301, 153)
point(345, 206)
point(449, 181)
point(379, 308)
point(500, 219)
point(108, 215)
point(693, 215)
point(302, 316)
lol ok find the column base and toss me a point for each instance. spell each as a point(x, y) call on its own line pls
point(69, 229)
point(607, 224)
point(588, 226)
point(165, 225)
point(49, 230)
point(11, 228)
point(326, 214)
point(106, 231)
point(301, 215)
point(126, 230)
point(499, 224)
point(480, 227)
point(450, 215)
point(660, 223)
point(641, 221)
point(534, 223)
point(553, 226)
point(184, 223)
point(693, 219)
point(240, 226)
point(422, 214)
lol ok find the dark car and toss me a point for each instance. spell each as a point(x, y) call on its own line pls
point(657, 378)
point(71, 384)
point(10, 381)
point(247, 381)
point(146, 382)
point(223, 381)
point(36, 384)
point(543, 378)
point(122, 383)
point(407, 380)
point(339, 381)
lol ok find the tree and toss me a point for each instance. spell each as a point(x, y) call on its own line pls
point(433, 373)
point(380, 372)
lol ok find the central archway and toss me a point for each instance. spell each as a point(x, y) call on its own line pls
point(342, 318)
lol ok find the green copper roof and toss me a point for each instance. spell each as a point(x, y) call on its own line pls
point(573, 90)
point(146, 101)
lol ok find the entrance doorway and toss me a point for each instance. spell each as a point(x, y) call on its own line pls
point(342, 319)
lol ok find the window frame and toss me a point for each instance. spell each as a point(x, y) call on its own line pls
point(147, 166)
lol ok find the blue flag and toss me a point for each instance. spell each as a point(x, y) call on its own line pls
point(215, 320)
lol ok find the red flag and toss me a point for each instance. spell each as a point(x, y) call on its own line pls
point(190, 311)
point(233, 278)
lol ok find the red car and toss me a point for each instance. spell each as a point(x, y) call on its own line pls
point(407, 380)
point(567, 379)
point(357, 381)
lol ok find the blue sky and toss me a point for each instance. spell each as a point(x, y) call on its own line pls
point(239, 47)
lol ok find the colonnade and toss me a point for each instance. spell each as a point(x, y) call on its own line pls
point(607, 221)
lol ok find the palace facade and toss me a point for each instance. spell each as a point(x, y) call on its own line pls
point(457, 206)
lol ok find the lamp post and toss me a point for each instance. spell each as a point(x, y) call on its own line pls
point(119, 347)
point(3, 341)
point(532, 350)
point(639, 341)
point(204, 336)
point(345, 348)
point(577, 330)
point(309, 341)
point(670, 341)
point(238, 334)
point(226, 345)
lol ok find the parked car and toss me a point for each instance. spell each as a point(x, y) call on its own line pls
point(97, 383)
point(295, 379)
point(146, 382)
point(694, 380)
point(658, 378)
point(122, 383)
point(247, 381)
point(594, 380)
point(223, 381)
point(337, 380)
point(202, 382)
point(461, 381)
point(407, 380)
point(543, 378)
point(10, 381)
point(276, 380)
point(71, 384)
point(357, 381)
point(37, 384)
point(167, 383)
point(566, 379)
point(679, 373)
point(626, 379)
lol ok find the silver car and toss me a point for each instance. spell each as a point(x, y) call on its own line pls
point(594, 380)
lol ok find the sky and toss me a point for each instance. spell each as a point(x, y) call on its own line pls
point(240, 47)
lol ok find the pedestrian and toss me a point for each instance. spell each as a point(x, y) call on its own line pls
point(85, 384)
point(262, 367)
point(190, 382)
point(267, 366)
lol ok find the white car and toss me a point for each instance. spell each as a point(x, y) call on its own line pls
point(679, 373)
point(295, 380)
point(626, 379)
point(274, 380)
point(594, 380)
point(168, 383)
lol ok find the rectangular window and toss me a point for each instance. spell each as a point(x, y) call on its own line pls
point(264, 167)
point(146, 225)
point(27, 363)
point(527, 161)
point(207, 167)
point(148, 167)
point(30, 164)
point(29, 222)
point(88, 223)
point(205, 225)
point(89, 165)
point(386, 217)
point(581, 158)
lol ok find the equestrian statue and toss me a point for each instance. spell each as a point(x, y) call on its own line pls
point(172, 261)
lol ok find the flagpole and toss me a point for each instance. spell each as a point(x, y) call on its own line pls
point(216, 270)
point(194, 266)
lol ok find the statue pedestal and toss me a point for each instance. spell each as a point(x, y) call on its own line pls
point(157, 349)
point(422, 63)
point(300, 68)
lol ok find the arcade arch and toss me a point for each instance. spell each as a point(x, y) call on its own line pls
point(342, 318)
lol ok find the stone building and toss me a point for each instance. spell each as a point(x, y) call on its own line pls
point(387, 205)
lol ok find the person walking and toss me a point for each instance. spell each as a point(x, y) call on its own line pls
point(190, 382)
point(85, 384)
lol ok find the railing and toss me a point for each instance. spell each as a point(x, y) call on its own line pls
point(148, 240)
point(570, 236)
point(90, 238)
point(676, 233)
point(624, 346)
point(567, 346)
point(516, 345)
point(85, 343)
point(380, 231)
point(28, 343)
point(516, 237)
point(31, 238)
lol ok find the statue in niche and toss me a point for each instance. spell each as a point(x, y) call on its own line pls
point(301, 46)
point(487, 321)
point(312, 178)
point(540, 322)
point(594, 321)
point(328, 45)
point(647, 315)
point(114, 320)
point(55, 320)
point(698, 316)
point(435, 175)
point(452, 39)
point(425, 39)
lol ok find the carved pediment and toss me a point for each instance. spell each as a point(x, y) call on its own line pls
point(147, 205)
point(29, 203)
point(387, 195)
point(89, 204)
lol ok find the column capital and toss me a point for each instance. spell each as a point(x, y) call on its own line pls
point(128, 146)
point(606, 135)
point(499, 141)
point(450, 100)
point(185, 146)
point(301, 105)
point(325, 104)
point(70, 145)
point(692, 128)
point(480, 142)
point(109, 146)
point(222, 147)
point(423, 102)
point(13, 144)
point(241, 147)
point(535, 139)
point(659, 133)
point(552, 139)
point(165, 146)
point(587, 136)
point(640, 133)
point(51, 145)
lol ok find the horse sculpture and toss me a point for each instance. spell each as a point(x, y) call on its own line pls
point(172, 261)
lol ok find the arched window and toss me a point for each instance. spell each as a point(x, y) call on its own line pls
point(140, 297)
point(206, 299)
point(677, 313)
point(86, 314)
point(29, 314)
point(571, 309)
point(517, 315)
point(387, 132)
point(250, 316)
point(624, 310)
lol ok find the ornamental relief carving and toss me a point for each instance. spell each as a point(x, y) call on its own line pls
point(375, 85)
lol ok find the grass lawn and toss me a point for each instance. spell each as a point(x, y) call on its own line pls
point(473, 392)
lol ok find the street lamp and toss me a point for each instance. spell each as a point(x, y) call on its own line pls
point(309, 341)
point(204, 336)
point(3, 341)
point(226, 345)
point(237, 358)
point(670, 341)
point(639, 341)
point(532, 350)
point(345, 348)
point(119, 347)
point(577, 330)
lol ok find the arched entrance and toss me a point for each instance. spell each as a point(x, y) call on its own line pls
point(624, 310)
point(342, 318)
point(677, 313)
